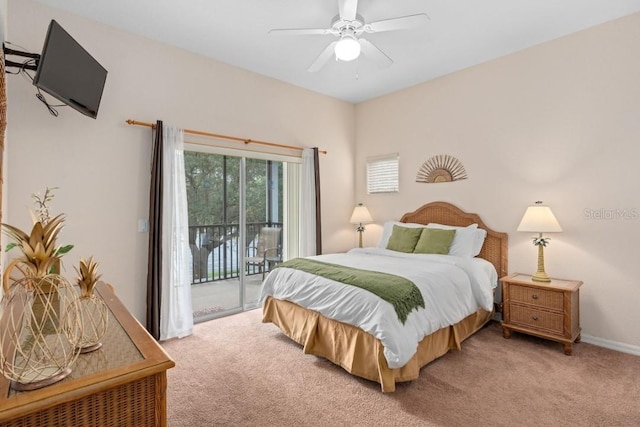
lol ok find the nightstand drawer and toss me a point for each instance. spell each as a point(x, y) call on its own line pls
point(538, 297)
point(536, 318)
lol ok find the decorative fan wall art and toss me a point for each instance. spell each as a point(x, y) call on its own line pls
point(441, 168)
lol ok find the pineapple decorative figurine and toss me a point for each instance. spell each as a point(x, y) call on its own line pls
point(88, 309)
point(36, 349)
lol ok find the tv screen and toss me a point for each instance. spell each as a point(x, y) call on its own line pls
point(67, 72)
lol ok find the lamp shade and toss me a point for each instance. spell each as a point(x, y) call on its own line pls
point(539, 219)
point(361, 215)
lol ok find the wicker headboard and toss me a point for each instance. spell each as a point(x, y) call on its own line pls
point(494, 249)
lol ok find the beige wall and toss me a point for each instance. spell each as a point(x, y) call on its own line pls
point(559, 122)
point(102, 166)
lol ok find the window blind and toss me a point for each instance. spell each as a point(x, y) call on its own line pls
point(382, 174)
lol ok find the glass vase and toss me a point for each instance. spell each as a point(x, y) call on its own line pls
point(92, 314)
point(36, 347)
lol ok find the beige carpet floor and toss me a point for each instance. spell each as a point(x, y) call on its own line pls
point(237, 371)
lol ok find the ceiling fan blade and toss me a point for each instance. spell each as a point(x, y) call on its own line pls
point(302, 31)
point(322, 59)
point(376, 55)
point(401, 23)
point(348, 9)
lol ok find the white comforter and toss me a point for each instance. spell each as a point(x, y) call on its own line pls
point(452, 288)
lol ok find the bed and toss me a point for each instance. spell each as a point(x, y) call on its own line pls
point(366, 349)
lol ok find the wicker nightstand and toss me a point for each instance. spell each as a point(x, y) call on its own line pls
point(548, 310)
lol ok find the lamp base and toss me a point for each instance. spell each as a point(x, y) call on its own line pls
point(540, 276)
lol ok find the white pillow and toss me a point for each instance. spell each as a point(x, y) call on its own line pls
point(467, 242)
point(388, 228)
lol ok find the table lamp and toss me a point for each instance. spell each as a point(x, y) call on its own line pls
point(539, 219)
point(360, 216)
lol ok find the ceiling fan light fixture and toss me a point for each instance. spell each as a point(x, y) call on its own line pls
point(348, 48)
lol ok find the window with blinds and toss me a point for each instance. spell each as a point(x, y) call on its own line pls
point(383, 173)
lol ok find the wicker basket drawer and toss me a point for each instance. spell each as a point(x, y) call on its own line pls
point(538, 297)
point(536, 318)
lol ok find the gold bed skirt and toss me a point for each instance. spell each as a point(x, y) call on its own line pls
point(358, 352)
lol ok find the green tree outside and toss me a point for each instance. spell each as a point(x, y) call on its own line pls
point(213, 197)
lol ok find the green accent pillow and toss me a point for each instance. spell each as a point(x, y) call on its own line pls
point(403, 239)
point(434, 241)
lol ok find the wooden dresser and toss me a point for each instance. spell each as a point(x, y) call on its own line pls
point(124, 383)
point(548, 310)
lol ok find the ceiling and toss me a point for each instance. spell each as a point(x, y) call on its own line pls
point(459, 34)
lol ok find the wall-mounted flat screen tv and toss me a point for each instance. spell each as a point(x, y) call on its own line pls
point(69, 73)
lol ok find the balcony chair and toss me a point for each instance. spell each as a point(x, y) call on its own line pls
point(266, 251)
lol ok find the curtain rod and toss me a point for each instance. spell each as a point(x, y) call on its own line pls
point(230, 138)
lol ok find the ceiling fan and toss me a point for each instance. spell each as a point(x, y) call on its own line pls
point(348, 27)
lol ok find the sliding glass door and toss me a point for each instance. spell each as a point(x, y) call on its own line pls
point(235, 229)
point(263, 223)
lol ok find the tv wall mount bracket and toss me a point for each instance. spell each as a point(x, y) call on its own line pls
point(22, 66)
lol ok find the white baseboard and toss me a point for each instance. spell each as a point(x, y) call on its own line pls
point(613, 345)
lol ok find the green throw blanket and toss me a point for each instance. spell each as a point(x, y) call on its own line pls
point(403, 294)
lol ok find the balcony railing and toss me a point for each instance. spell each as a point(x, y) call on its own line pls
point(215, 250)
